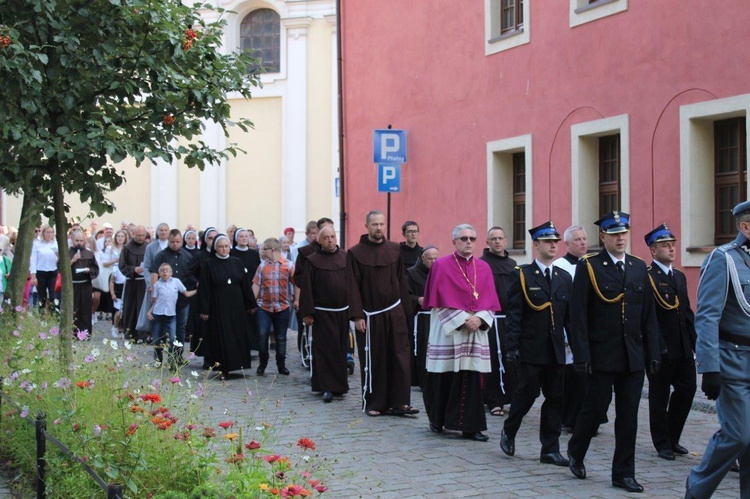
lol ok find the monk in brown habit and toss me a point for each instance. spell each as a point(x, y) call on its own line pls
point(324, 308)
point(131, 261)
point(378, 305)
point(85, 269)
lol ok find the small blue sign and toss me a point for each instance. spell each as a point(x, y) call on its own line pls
point(389, 146)
point(389, 177)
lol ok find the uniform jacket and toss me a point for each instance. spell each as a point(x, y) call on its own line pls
point(718, 308)
point(676, 327)
point(600, 333)
point(531, 331)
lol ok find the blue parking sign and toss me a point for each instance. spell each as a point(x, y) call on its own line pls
point(389, 146)
point(389, 177)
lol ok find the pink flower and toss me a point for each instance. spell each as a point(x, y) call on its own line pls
point(24, 412)
point(174, 380)
point(88, 359)
point(82, 335)
point(16, 333)
point(252, 445)
point(321, 488)
point(272, 458)
point(19, 308)
point(54, 330)
point(226, 424)
point(97, 430)
point(42, 336)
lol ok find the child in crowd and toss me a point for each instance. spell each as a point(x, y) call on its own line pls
point(163, 311)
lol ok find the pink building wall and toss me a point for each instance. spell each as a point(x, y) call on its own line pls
point(421, 66)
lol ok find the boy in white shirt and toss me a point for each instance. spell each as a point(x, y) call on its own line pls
point(163, 312)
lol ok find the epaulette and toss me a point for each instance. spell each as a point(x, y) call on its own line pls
point(726, 247)
point(588, 255)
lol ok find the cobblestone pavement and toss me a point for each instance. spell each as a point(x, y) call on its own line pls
point(398, 457)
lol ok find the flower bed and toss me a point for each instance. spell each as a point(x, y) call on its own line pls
point(136, 423)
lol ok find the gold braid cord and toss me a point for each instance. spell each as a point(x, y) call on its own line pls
point(661, 301)
point(534, 307)
point(620, 297)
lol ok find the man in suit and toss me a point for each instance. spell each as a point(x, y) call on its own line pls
point(723, 358)
point(667, 414)
point(537, 312)
point(614, 337)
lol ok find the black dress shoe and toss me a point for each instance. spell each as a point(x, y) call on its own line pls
point(261, 370)
point(666, 454)
point(679, 449)
point(477, 436)
point(435, 428)
point(284, 371)
point(327, 397)
point(577, 468)
point(553, 458)
point(507, 444)
point(628, 484)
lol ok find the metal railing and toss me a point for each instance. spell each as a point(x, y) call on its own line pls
point(113, 490)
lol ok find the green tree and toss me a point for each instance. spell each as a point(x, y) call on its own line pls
point(88, 83)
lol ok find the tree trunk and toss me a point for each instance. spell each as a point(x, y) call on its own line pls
point(63, 266)
point(29, 221)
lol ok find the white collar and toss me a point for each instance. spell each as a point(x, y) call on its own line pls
point(615, 259)
point(666, 269)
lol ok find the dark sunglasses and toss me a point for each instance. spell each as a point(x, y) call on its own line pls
point(473, 239)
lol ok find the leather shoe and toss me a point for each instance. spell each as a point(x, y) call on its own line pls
point(476, 436)
point(435, 428)
point(679, 449)
point(577, 468)
point(553, 458)
point(666, 454)
point(628, 484)
point(507, 444)
point(260, 371)
point(327, 397)
point(284, 371)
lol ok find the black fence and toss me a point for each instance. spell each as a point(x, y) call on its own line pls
point(114, 491)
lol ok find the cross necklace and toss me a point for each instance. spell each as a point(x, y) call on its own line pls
point(473, 286)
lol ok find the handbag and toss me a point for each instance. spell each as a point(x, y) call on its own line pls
point(58, 283)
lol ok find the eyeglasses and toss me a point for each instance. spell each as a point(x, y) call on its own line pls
point(473, 239)
point(412, 232)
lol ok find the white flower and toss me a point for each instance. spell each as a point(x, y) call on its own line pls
point(194, 374)
point(113, 345)
point(25, 371)
point(177, 344)
point(306, 457)
point(259, 428)
point(95, 352)
point(7, 381)
point(127, 345)
point(193, 396)
point(105, 341)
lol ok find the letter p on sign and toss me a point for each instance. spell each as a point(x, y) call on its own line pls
point(389, 146)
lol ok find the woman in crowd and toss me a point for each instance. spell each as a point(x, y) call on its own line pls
point(43, 266)
point(190, 242)
point(195, 328)
point(250, 260)
point(225, 296)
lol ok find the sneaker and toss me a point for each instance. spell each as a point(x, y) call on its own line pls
point(94, 320)
point(115, 332)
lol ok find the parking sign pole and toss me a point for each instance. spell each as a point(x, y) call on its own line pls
point(388, 216)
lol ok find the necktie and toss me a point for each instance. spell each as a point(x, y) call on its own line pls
point(621, 267)
point(548, 276)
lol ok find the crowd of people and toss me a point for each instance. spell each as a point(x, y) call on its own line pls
point(478, 336)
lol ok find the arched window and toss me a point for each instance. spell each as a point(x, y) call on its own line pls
point(260, 32)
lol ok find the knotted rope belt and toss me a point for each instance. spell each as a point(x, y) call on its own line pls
point(367, 382)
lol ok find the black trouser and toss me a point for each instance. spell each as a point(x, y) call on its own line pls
point(532, 378)
point(667, 414)
point(45, 286)
point(627, 388)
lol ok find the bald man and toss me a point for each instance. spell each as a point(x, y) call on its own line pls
point(131, 266)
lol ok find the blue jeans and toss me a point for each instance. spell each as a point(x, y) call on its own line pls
point(161, 326)
point(279, 322)
point(182, 317)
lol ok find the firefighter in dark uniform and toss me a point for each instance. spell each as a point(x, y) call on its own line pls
point(536, 313)
point(668, 413)
point(614, 337)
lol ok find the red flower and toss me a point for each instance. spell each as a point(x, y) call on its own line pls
point(226, 424)
point(154, 398)
point(306, 443)
point(83, 384)
point(272, 458)
point(76, 427)
point(252, 445)
point(131, 429)
point(209, 432)
point(190, 34)
point(168, 119)
point(4, 41)
point(321, 488)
